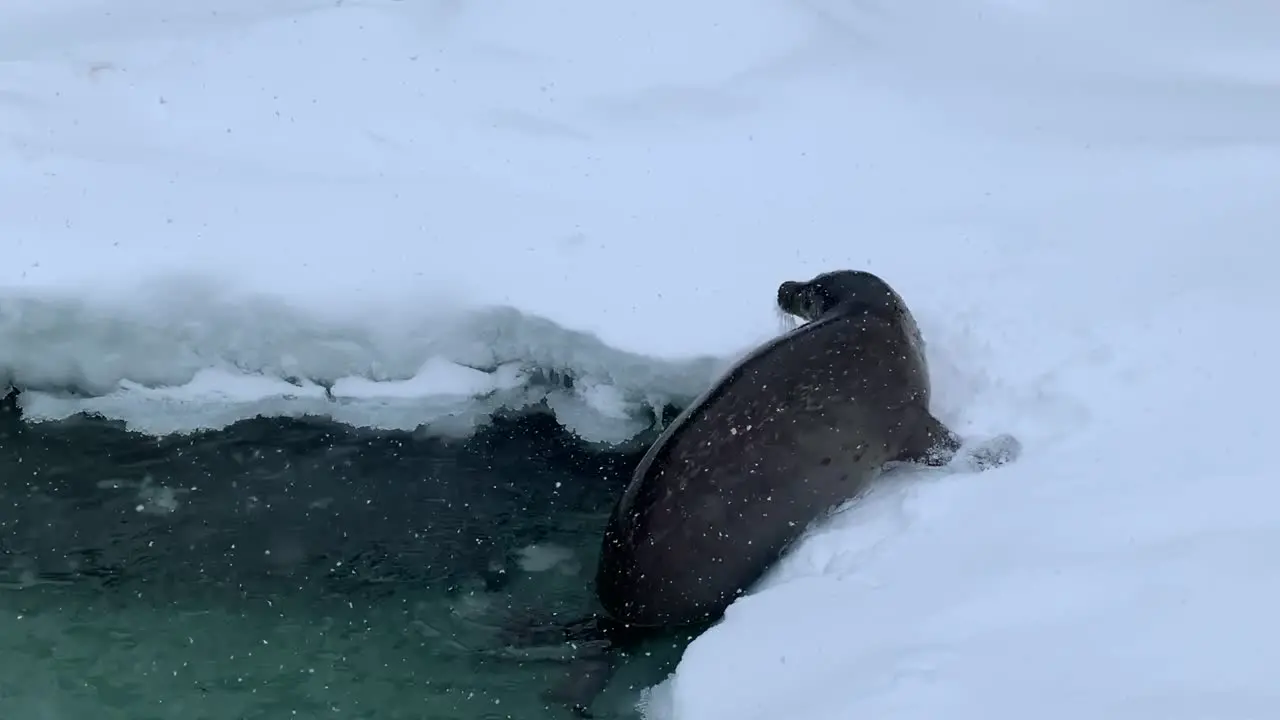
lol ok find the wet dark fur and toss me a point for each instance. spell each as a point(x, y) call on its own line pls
point(797, 427)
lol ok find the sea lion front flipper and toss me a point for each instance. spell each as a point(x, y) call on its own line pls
point(935, 444)
point(990, 453)
point(932, 444)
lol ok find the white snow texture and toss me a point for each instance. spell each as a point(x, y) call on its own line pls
point(416, 214)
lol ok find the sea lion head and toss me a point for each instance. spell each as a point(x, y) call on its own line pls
point(843, 291)
point(829, 291)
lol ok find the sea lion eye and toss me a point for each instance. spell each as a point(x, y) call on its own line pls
point(814, 301)
point(806, 300)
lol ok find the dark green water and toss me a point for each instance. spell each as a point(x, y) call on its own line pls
point(287, 569)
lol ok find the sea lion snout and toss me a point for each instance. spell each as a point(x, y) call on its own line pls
point(789, 297)
point(805, 300)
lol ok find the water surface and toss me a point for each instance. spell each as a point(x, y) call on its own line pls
point(292, 569)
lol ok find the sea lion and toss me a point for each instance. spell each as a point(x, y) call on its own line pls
point(794, 429)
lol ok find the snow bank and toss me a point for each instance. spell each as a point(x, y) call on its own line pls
point(177, 358)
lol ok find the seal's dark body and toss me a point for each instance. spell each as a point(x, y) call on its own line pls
point(795, 428)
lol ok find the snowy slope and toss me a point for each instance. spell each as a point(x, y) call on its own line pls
point(1121, 569)
point(405, 212)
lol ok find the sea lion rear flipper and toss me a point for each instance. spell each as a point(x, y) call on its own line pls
point(595, 652)
point(932, 444)
point(583, 681)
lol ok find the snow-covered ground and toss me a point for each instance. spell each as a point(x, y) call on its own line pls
point(408, 212)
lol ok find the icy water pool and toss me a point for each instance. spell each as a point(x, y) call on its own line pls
point(287, 569)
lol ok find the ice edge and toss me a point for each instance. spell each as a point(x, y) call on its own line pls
point(447, 375)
